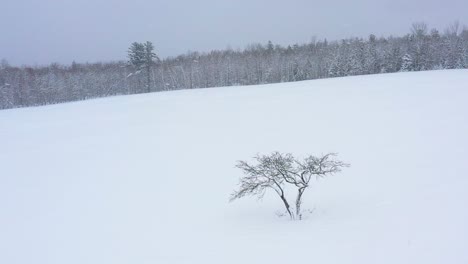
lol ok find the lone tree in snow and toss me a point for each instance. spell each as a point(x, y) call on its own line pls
point(141, 56)
point(276, 170)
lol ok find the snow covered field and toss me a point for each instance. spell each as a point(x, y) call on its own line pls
point(146, 178)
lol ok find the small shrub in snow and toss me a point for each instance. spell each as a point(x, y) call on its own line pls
point(277, 170)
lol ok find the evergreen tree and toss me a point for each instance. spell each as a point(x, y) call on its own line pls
point(136, 55)
point(372, 61)
point(141, 56)
point(149, 61)
point(270, 48)
point(407, 63)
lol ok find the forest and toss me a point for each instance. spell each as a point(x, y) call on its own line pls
point(421, 49)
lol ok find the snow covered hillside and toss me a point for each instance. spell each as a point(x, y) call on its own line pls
point(147, 178)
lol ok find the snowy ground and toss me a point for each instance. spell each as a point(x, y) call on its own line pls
point(146, 178)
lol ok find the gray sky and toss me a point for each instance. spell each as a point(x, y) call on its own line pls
point(44, 31)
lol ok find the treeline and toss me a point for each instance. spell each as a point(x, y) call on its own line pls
point(421, 49)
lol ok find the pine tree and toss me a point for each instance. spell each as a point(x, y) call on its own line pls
point(270, 48)
point(141, 56)
point(149, 61)
point(136, 55)
point(357, 57)
point(372, 61)
point(407, 63)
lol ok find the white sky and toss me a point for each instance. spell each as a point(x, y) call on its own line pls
point(44, 31)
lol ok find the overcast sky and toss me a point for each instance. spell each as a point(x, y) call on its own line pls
point(44, 31)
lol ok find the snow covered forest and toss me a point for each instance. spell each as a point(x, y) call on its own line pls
point(421, 49)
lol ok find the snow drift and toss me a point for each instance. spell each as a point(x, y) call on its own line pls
point(146, 178)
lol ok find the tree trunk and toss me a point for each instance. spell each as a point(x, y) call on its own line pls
point(148, 80)
point(286, 204)
point(299, 202)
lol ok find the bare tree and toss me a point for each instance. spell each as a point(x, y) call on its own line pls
point(453, 29)
point(419, 29)
point(310, 168)
point(260, 177)
point(275, 170)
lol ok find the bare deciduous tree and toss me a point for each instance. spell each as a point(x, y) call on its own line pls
point(276, 170)
point(258, 178)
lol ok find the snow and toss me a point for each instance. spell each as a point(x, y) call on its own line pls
point(146, 178)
